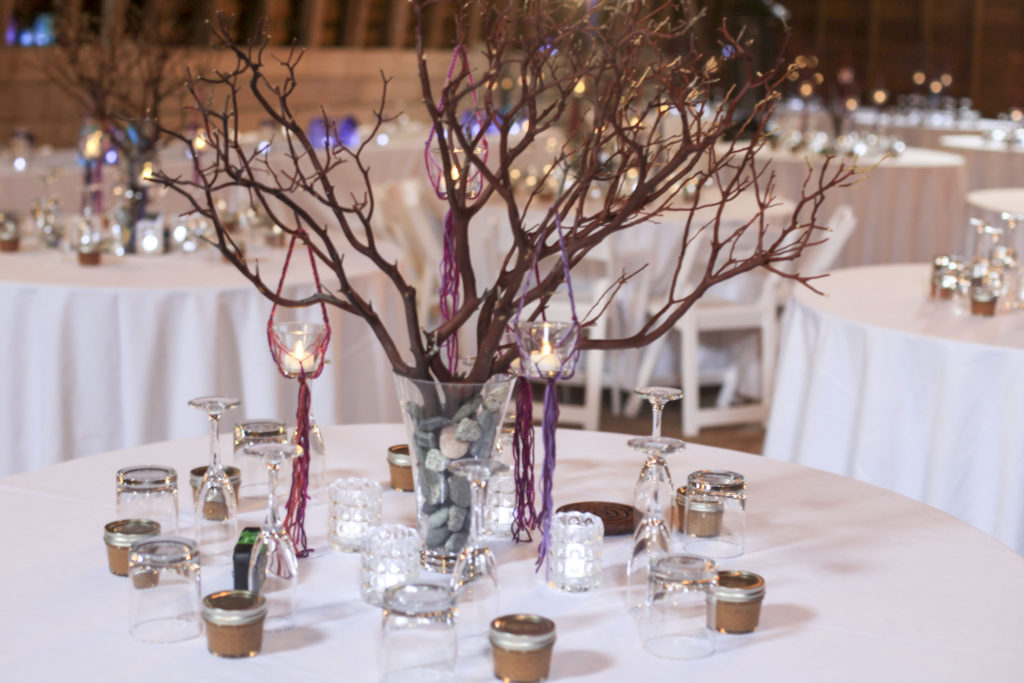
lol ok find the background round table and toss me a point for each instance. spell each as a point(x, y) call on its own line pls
point(862, 584)
point(989, 163)
point(908, 208)
point(878, 382)
point(107, 357)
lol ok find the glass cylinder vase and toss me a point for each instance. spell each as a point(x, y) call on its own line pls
point(448, 421)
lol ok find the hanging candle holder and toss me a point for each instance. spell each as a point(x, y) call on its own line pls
point(457, 173)
point(299, 350)
point(548, 351)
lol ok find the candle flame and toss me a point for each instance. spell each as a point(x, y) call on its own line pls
point(299, 352)
point(455, 173)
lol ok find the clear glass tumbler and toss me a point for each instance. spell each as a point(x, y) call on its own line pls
point(149, 492)
point(418, 637)
point(678, 618)
point(391, 557)
point(574, 559)
point(354, 506)
point(164, 573)
point(716, 503)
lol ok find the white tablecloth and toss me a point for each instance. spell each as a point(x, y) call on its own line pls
point(877, 382)
point(909, 208)
point(989, 163)
point(107, 357)
point(862, 584)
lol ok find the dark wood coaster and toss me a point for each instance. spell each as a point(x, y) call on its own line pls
point(618, 519)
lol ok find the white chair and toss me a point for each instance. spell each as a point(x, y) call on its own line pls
point(820, 259)
point(403, 220)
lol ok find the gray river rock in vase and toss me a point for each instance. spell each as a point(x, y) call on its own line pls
point(460, 491)
point(433, 424)
point(467, 430)
point(456, 542)
point(466, 410)
point(494, 396)
point(435, 461)
point(438, 537)
point(434, 487)
point(439, 518)
point(457, 517)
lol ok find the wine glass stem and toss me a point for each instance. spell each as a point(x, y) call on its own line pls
point(272, 522)
point(214, 442)
point(656, 411)
point(478, 489)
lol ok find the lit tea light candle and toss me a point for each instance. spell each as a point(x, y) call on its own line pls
point(546, 360)
point(575, 564)
point(298, 360)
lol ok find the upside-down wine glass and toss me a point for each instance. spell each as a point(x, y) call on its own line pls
point(273, 563)
point(652, 496)
point(216, 510)
point(475, 577)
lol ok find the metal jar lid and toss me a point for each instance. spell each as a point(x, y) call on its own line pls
point(399, 455)
point(196, 475)
point(522, 632)
point(258, 430)
point(124, 532)
point(234, 608)
point(147, 477)
point(718, 482)
point(739, 586)
point(163, 551)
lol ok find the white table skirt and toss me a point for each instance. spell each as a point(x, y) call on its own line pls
point(108, 357)
point(908, 208)
point(989, 163)
point(879, 383)
point(862, 584)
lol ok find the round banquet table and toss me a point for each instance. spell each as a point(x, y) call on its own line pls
point(862, 584)
point(997, 200)
point(107, 357)
point(908, 208)
point(989, 163)
point(878, 382)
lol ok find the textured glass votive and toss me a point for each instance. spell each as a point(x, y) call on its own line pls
point(574, 558)
point(499, 505)
point(354, 507)
point(391, 557)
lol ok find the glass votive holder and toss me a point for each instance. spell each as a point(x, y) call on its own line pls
point(678, 618)
point(149, 492)
point(715, 520)
point(354, 505)
point(738, 598)
point(418, 637)
point(983, 300)
point(391, 557)
point(234, 623)
point(400, 466)
point(119, 537)
point(499, 506)
point(164, 574)
point(252, 469)
point(574, 558)
point(521, 645)
point(9, 232)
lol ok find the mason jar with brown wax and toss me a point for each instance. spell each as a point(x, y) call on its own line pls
point(119, 537)
point(234, 623)
point(522, 646)
point(738, 598)
point(400, 464)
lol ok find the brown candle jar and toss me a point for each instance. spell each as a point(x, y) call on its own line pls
point(213, 509)
point(400, 464)
point(119, 537)
point(704, 517)
point(983, 306)
point(522, 645)
point(234, 623)
point(738, 598)
point(9, 243)
point(88, 258)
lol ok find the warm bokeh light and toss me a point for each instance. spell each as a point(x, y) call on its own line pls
point(919, 78)
point(806, 89)
point(935, 87)
point(880, 96)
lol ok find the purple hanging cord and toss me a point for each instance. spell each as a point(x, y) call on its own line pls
point(449, 296)
point(525, 516)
